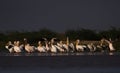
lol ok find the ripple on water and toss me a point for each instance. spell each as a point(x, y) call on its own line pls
point(59, 54)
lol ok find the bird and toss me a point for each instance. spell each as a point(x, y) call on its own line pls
point(79, 47)
point(40, 48)
point(52, 46)
point(10, 47)
point(111, 48)
point(17, 48)
point(29, 48)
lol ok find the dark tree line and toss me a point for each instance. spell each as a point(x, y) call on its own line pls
point(82, 34)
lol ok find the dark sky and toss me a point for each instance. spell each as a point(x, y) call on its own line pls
point(59, 15)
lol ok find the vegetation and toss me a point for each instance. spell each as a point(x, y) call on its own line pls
point(82, 34)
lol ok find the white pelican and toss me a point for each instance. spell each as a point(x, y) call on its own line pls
point(59, 48)
point(46, 47)
point(72, 47)
point(29, 48)
point(40, 48)
point(65, 46)
point(17, 48)
point(79, 47)
point(110, 45)
point(91, 47)
point(53, 48)
point(10, 46)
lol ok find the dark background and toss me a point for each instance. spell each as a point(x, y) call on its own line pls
point(59, 15)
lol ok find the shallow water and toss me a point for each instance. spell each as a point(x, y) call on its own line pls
point(59, 54)
point(84, 62)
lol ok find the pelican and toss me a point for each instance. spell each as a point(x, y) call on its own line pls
point(91, 47)
point(40, 48)
point(79, 47)
point(53, 48)
point(65, 46)
point(46, 47)
point(71, 46)
point(10, 46)
point(110, 45)
point(60, 46)
point(17, 48)
point(29, 48)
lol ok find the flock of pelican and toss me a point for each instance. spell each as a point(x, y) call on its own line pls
point(54, 47)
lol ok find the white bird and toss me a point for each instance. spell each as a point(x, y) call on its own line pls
point(110, 45)
point(66, 47)
point(10, 49)
point(59, 48)
point(47, 47)
point(17, 48)
point(53, 49)
point(41, 49)
point(80, 47)
point(10, 46)
point(29, 48)
point(71, 45)
point(91, 47)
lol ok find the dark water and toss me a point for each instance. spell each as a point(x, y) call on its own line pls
point(59, 54)
point(84, 62)
point(65, 70)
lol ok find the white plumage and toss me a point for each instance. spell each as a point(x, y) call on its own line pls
point(53, 49)
point(17, 49)
point(41, 49)
point(29, 48)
